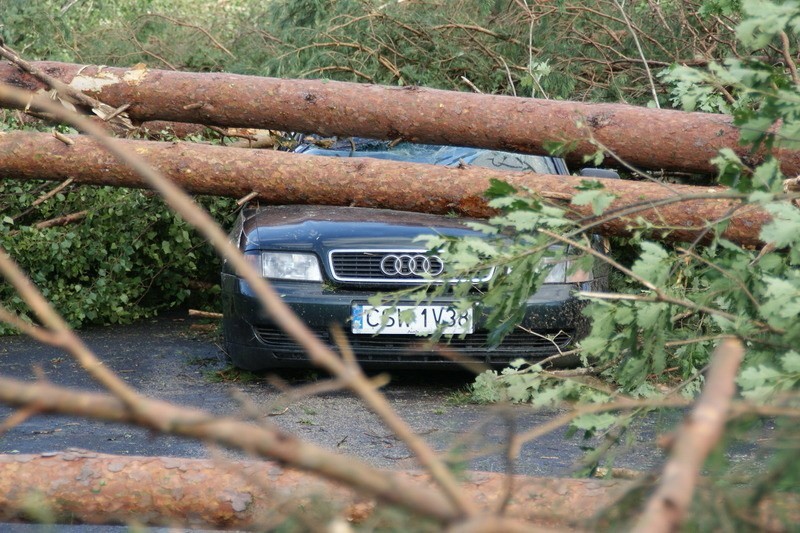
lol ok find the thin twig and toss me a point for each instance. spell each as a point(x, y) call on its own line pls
point(18, 417)
point(471, 85)
point(621, 8)
point(786, 50)
point(567, 418)
point(246, 198)
point(61, 186)
point(193, 26)
point(510, 459)
point(63, 138)
point(62, 220)
point(29, 329)
point(204, 314)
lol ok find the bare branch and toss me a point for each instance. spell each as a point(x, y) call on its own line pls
point(61, 186)
point(786, 50)
point(193, 26)
point(641, 52)
point(204, 314)
point(62, 220)
point(699, 434)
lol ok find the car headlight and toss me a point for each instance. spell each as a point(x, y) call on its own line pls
point(286, 265)
point(560, 269)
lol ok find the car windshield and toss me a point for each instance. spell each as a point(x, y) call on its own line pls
point(436, 155)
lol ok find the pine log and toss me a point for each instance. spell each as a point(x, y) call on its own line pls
point(285, 178)
point(103, 489)
point(645, 138)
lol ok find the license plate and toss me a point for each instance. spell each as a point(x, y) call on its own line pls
point(411, 319)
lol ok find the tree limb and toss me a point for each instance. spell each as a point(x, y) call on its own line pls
point(668, 506)
point(262, 440)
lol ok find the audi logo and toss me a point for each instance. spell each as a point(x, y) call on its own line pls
point(412, 265)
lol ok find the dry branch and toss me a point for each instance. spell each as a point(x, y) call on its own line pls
point(60, 187)
point(284, 178)
point(669, 505)
point(62, 220)
point(646, 138)
point(204, 314)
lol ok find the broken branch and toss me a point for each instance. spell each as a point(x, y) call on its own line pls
point(699, 434)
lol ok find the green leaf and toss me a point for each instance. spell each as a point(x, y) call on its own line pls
point(594, 422)
point(653, 264)
point(784, 229)
point(781, 305)
point(498, 189)
point(791, 362)
point(599, 200)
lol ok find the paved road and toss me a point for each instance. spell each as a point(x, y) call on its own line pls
point(164, 358)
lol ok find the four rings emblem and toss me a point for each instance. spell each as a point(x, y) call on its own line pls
point(412, 265)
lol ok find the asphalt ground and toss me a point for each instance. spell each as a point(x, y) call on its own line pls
point(166, 358)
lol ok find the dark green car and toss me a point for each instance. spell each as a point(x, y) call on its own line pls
point(326, 263)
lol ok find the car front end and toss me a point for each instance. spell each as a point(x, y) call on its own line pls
point(328, 263)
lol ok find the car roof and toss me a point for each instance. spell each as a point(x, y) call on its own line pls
point(433, 154)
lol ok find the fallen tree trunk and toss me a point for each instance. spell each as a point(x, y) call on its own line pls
point(284, 178)
point(97, 488)
point(646, 138)
point(87, 487)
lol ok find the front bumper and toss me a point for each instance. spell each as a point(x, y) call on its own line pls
point(552, 321)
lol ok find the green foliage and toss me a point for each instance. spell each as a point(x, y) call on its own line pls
point(676, 302)
point(593, 193)
point(497, 47)
point(128, 258)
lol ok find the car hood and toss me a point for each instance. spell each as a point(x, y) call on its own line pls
point(324, 228)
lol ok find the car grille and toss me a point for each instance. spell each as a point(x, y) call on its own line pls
point(364, 266)
point(411, 348)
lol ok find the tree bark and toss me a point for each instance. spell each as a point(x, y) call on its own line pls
point(97, 488)
point(645, 138)
point(285, 178)
point(87, 487)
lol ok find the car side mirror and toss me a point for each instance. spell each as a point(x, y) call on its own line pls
point(599, 173)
